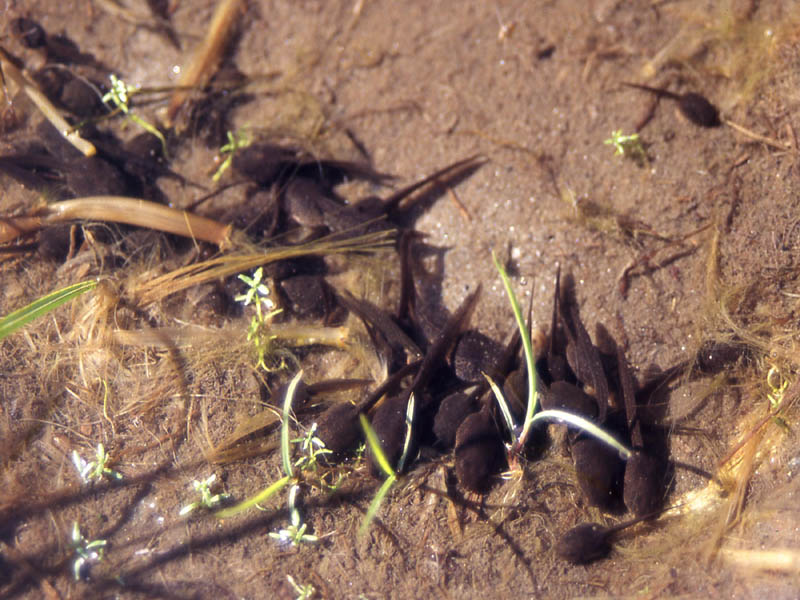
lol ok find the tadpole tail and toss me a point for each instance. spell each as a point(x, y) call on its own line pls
point(653, 90)
point(457, 170)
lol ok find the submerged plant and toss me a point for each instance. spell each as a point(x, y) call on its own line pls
point(258, 333)
point(304, 591)
point(312, 447)
point(95, 469)
point(88, 553)
point(208, 500)
point(626, 145)
point(119, 95)
point(236, 141)
point(295, 534)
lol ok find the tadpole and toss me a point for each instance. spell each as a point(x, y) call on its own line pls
point(588, 542)
point(311, 202)
point(645, 473)
point(338, 427)
point(694, 107)
point(479, 449)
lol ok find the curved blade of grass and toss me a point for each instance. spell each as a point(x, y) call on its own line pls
point(260, 497)
point(501, 400)
point(375, 446)
point(21, 317)
point(409, 430)
point(376, 503)
point(585, 425)
point(533, 397)
point(287, 406)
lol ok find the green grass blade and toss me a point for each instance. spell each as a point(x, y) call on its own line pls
point(261, 496)
point(533, 396)
point(287, 406)
point(501, 400)
point(587, 426)
point(19, 318)
point(376, 503)
point(375, 446)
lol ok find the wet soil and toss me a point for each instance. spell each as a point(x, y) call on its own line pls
point(696, 239)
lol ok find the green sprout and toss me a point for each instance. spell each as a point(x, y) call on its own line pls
point(236, 141)
point(119, 95)
point(208, 500)
point(518, 441)
point(95, 469)
point(257, 293)
point(40, 307)
point(626, 145)
point(295, 534)
point(313, 448)
point(531, 417)
point(88, 553)
point(778, 389)
point(303, 591)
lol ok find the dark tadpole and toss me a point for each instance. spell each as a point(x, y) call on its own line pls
point(588, 542)
point(694, 107)
point(309, 200)
point(338, 427)
point(452, 411)
point(598, 469)
point(644, 482)
point(479, 450)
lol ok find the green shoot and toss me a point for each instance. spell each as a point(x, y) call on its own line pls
point(383, 462)
point(295, 534)
point(88, 552)
point(312, 448)
point(409, 430)
point(208, 501)
point(777, 390)
point(21, 317)
point(236, 141)
point(257, 293)
point(287, 405)
point(533, 396)
point(587, 426)
point(254, 500)
point(95, 469)
point(119, 95)
point(626, 145)
point(303, 591)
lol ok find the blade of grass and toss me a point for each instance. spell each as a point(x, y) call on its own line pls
point(376, 503)
point(375, 446)
point(585, 425)
point(391, 475)
point(501, 400)
point(19, 318)
point(258, 498)
point(287, 405)
point(409, 430)
point(533, 396)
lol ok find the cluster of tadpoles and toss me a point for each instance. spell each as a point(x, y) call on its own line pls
point(439, 389)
